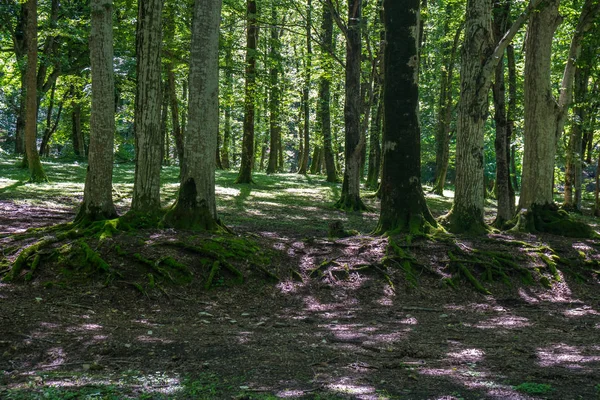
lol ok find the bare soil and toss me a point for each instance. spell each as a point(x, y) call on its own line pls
point(340, 332)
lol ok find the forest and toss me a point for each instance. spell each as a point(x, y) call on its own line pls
point(317, 199)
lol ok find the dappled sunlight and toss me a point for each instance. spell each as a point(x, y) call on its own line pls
point(467, 355)
point(153, 339)
point(571, 357)
point(347, 386)
point(580, 312)
point(504, 322)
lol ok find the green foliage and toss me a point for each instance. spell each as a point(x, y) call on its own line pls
point(534, 388)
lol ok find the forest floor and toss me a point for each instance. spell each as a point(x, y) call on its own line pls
point(338, 324)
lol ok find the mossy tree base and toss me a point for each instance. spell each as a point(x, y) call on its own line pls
point(550, 219)
point(351, 203)
point(469, 221)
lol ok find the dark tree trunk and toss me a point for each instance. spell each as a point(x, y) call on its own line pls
point(306, 91)
point(506, 209)
point(350, 198)
point(20, 48)
point(76, 131)
point(374, 141)
point(442, 138)
point(228, 100)
point(403, 207)
point(274, 95)
point(323, 105)
point(51, 126)
point(245, 174)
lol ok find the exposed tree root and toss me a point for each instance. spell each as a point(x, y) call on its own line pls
point(550, 219)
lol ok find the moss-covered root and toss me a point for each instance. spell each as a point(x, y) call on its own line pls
point(351, 203)
point(93, 258)
point(549, 261)
point(550, 219)
point(464, 271)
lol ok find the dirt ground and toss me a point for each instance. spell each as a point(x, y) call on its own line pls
point(341, 333)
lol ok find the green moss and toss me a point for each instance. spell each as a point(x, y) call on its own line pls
point(469, 221)
point(550, 219)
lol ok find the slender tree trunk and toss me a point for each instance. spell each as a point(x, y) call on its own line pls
point(36, 171)
point(245, 174)
point(574, 165)
point(350, 198)
point(374, 141)
point(164, 110)
point(196, 203)
point(274, 95)
point(228, 100)
point(76, 131)
point(146, 189)
point(20, 49)
point(97, 195)
point(306, 91)
point(511, 116)
point(597, 191)
point(540, 109)
point(403, 207)
point(49, 111)
point(505, 209)
point(324, 102)
point(442, 138)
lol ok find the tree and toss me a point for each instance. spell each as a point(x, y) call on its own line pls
point(403, 206)
point(36, 171)
point(306, 92)
point(97, 194)
point(350, 198)
point(148, 136)
point(245, 174)
point(196, 204)
point(506, 206)
point(544, 115)
point(274, 95)
point(478, 62)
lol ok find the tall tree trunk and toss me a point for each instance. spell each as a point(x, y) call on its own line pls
point(227, 100)
point(76, 131)
point(51, 127)
point(49, 111)
point(479, 61)
point(403, 207)
point(442, 138)
point(20, 49)
point(511, 116)
point(306, 91)
point(274, 123)
point(574, 165)
point(36, 171)
point(323, 104)
point(146, 189)
point(196, 203)
point(374, 140)
point(540, 109)
point(164, 110)
point(505, 209)
point(245, 174)
point(350, 198)
point(97, 194)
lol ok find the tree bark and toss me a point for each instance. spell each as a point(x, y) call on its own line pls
point(505, 209)
point(228, 100)
point(375, 140)
point(36, 171)
point(196, 203)
point(245, 174)
point(324, 102)
point(479, 60)
point(540, 109)
point(274, 94)
point(146, 189)
point(97, 195)
point(350, 198)
point(403, 207)
point(76, 131)
point(442, 138)
point(306, 91)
